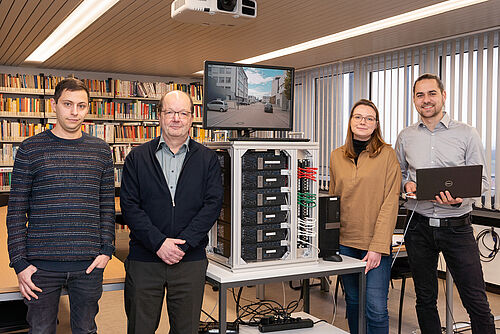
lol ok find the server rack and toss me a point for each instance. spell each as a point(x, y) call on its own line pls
point(269, 215)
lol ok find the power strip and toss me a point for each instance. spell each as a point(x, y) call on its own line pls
point(274, 325)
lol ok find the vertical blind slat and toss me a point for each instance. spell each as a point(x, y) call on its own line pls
point(489, 106)
point(497, 151)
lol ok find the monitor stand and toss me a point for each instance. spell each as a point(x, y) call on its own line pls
point(244, 135)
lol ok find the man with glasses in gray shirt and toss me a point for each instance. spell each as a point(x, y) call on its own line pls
point(171, 194)
point(444, 224)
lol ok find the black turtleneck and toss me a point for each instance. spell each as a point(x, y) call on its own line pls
point(359, 146)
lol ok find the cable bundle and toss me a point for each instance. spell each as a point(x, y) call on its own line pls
point(307, 173)
point(253, 312)
point(496, 244)
point(306, 228)
point(306, 200)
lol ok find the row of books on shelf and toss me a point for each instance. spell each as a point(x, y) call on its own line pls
point(18, 131)
point(118, 176)
point(32, 83)
point(5, 178)
point(200, 135)
point(135, 133)
point(102, 109)
point(31, 107)
point(28, 106)
point(198, 113)
point(100, 87)
point(103, 131)
point(154, 90)
point(137, 110)
point(120, 152)
point(8, 153)
point(45, 84)
point(109, 132)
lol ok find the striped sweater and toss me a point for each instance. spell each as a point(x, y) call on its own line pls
point(61, 203)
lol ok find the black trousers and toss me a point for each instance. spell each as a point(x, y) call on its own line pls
point(145, 285)
point(459, 248)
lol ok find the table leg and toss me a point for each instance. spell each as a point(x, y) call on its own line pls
point(305, 290)
point(362, 301)
point(222, 309)
point(260, 291)
point(449, 302)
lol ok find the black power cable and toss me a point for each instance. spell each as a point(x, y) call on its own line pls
point(492, 249)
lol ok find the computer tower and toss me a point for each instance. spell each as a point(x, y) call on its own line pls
point(328, 225)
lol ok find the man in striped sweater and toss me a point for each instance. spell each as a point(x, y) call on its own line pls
point(60, 218)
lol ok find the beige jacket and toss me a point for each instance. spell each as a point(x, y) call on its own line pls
point(369, 198)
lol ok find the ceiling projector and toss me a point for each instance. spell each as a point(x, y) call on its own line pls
point(214, 12)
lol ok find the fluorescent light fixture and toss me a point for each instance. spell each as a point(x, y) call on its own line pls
point(414, 15)
point(86, 13)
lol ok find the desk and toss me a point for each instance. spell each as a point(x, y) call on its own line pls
point(114, 274)
point(224, 279)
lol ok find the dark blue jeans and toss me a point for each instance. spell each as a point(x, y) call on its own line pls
point(459, 248)
point(377, 289)
point(84, 293)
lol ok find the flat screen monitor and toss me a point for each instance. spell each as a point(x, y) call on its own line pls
point(247, 97)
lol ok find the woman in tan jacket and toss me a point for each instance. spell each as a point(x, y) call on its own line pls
point(365, 173)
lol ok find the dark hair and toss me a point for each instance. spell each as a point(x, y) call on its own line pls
point(160, 104)
point(72, 85)
point(376, 142)
point(429, 76)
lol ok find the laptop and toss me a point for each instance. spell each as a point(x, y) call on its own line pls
point(460, 181)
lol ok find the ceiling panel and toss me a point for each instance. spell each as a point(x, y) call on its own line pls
point(140, 37)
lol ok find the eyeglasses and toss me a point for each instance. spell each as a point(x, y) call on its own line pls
point(181, 114)
point(368, 119)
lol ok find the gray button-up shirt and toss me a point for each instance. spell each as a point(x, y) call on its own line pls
point(171, 164)
point(451, 143)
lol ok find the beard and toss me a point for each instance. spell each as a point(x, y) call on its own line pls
point(430, 113)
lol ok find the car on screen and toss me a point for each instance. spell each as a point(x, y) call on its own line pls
point(268, 107)
point(217, 105)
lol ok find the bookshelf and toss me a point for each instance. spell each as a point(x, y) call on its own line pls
point(121, 112)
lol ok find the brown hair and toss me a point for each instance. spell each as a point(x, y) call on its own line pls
point(376, 142)
point(429, 76)
point(70, 84)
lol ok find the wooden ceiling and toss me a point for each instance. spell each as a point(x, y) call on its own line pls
point(139, 36)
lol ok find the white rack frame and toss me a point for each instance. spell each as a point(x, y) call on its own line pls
point(295, 255)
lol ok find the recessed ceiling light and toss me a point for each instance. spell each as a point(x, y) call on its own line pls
point(86, 13)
